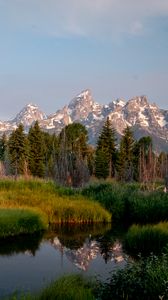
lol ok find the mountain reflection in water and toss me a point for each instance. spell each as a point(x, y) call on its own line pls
point(82, 257)
point(28, 263)
point(84, 245)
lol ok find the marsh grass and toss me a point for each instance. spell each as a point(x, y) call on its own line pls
point(68, 288)
point(46, 197)
point(147, 239)
point(148, 207)
point(20, 221)
point(113, 196)
point(128, 203)
point(73, 287)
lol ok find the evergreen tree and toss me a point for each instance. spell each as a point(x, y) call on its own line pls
point(51, 149)
point(3, 147)
point(101, 164)
point(126, 155)
point(36, 151)
point(105, 159)
point(18, 150)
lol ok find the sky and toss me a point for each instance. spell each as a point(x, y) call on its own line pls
point(51, 50)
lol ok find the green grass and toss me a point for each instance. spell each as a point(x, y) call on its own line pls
point(128, 203)
point(113, 196)
point(146, 239)
point(20, 221)
point(72, 287)
point(146, 279)
point(148, 207)
point(47, 198)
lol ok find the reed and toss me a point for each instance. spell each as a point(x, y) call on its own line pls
point(45, 197)
point(20, 221)
point(113, 196)
point(148, 207)
point(147, 239)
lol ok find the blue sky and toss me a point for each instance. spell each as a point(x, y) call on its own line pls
point(51, 50)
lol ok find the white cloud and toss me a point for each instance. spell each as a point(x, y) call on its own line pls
point(83, 17)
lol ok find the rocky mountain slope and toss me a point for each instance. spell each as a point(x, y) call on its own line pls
point(143, 117)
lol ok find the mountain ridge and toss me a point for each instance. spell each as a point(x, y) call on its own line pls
point(144, 118)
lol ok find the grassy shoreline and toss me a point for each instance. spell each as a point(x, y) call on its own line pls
point(44, 200)
point(20, 221)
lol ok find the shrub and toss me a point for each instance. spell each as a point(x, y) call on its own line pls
point(147, 280)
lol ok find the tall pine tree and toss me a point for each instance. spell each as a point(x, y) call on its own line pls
point(105, 158)
point(3, 147)
point(36, 151)
point(18, 150)
point(126, 156)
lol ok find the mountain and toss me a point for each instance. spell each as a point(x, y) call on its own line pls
point(143, 117)
point(27, 116)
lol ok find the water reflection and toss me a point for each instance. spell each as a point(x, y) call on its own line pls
point(28, 263)
point(21, 244)
point(82, 246)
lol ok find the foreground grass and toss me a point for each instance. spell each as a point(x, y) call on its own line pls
point(72, 287)
point(46, 197)
point(20, 221)
point(146, 239)
point(146, 279)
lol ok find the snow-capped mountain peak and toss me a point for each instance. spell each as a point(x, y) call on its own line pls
point(143, 117)
point(29, 114)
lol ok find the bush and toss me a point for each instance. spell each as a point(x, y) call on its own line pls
point(147, 280)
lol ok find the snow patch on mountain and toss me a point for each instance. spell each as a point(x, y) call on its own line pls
point(29, 114)
point(143, 117)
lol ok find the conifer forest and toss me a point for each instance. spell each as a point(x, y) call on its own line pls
point(71, 161)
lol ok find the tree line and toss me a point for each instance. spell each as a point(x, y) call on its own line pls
point(70, 160)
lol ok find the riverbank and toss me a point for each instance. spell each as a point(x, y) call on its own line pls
point(42, 200)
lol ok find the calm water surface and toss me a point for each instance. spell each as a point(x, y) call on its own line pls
point(30, 263)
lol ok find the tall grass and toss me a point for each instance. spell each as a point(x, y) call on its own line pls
point(20, 221)
point(148, 207)
point(73, 287)
point(146, 239)
point(113, 196)
point(68, 288)
point(45, 197)
point(128, 203)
